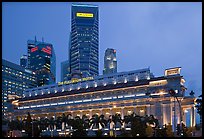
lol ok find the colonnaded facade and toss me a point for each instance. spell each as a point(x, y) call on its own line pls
point(125, 92)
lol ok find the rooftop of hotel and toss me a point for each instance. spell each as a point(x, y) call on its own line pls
point(98, 83)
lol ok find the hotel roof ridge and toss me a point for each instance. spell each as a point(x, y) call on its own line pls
point(84, 5)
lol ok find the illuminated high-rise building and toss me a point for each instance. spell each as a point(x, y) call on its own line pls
point(23, 61)
point(110, 62)
point(42, 61)
point(65, 71)
point(15, 79)
point(84, 44)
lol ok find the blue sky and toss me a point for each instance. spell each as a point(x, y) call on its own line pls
point(159, 35)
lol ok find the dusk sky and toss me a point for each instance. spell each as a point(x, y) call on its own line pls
point(156, 35)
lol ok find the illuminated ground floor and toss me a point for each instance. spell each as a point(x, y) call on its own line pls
point(160, 106)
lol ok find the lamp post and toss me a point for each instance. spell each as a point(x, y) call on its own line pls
point(173, 93)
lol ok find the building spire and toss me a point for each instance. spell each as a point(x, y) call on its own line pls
point(35, 39)
point(42, 39)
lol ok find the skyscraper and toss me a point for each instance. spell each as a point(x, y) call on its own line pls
point(43, 62)
point(65, 71)
point(15, 79)
point(110, 62)
point(23, 61)
point(84, 44)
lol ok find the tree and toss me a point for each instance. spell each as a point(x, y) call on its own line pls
point(29, 125)
point(199, 107)
point(77, 124)
point(169, 131)
point(64, 121)
point(138, 126)
point(149, 131)
point(116, 119)
point(191, 93)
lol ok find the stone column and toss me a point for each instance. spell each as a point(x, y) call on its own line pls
point(80, 114)
point(135, 109)
point(101, 111)
point(90, 113)
point(111, 112)
point(122, 112)
point(148, 110)
point(55, 115)
point(184, 117)
point(192, 116)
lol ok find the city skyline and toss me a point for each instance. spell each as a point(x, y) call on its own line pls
point(144, 25)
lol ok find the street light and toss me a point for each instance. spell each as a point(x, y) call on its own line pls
point(173, 93)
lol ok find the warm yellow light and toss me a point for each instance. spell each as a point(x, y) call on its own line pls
point(114, 106)
point(84, 14)
point(129, 111)
point(141, 110)
point(107, 113)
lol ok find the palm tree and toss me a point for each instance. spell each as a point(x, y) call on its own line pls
point(78, 126)
point(116, 119)
point(29, 125)
point(86, 121)
point(138, 126)
point(64, 121)
point(94, 121)
point(191, 93)
point(199, 107)
point(51, 125)
point(59, 122)
point(99, 122)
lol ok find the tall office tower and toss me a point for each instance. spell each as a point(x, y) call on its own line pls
point(30, 44)
point(15, 79)
point(43, 63)
point(84, 40)
point(110, 62)
point(65, 71)
point(23, 61)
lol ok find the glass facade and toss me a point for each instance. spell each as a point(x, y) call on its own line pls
point(15, 79)
point(43, 63)
point(110, 62)
point(30, 44)
point(65, 71)
point(23, 61)
point(84, 41)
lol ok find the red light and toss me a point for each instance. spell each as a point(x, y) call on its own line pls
point(46, 50)
point(34, 49)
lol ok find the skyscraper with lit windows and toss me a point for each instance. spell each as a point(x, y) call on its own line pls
point(84, 44)
point(43, 62)
point(110, 62)
point(15, 79)
point(23, 61)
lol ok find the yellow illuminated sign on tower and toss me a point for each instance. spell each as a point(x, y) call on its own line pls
point(84, 14)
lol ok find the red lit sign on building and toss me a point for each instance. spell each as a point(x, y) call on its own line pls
point(34, 49)
point(47, 50)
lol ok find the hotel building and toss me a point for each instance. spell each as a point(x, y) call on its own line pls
point(123, 92)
